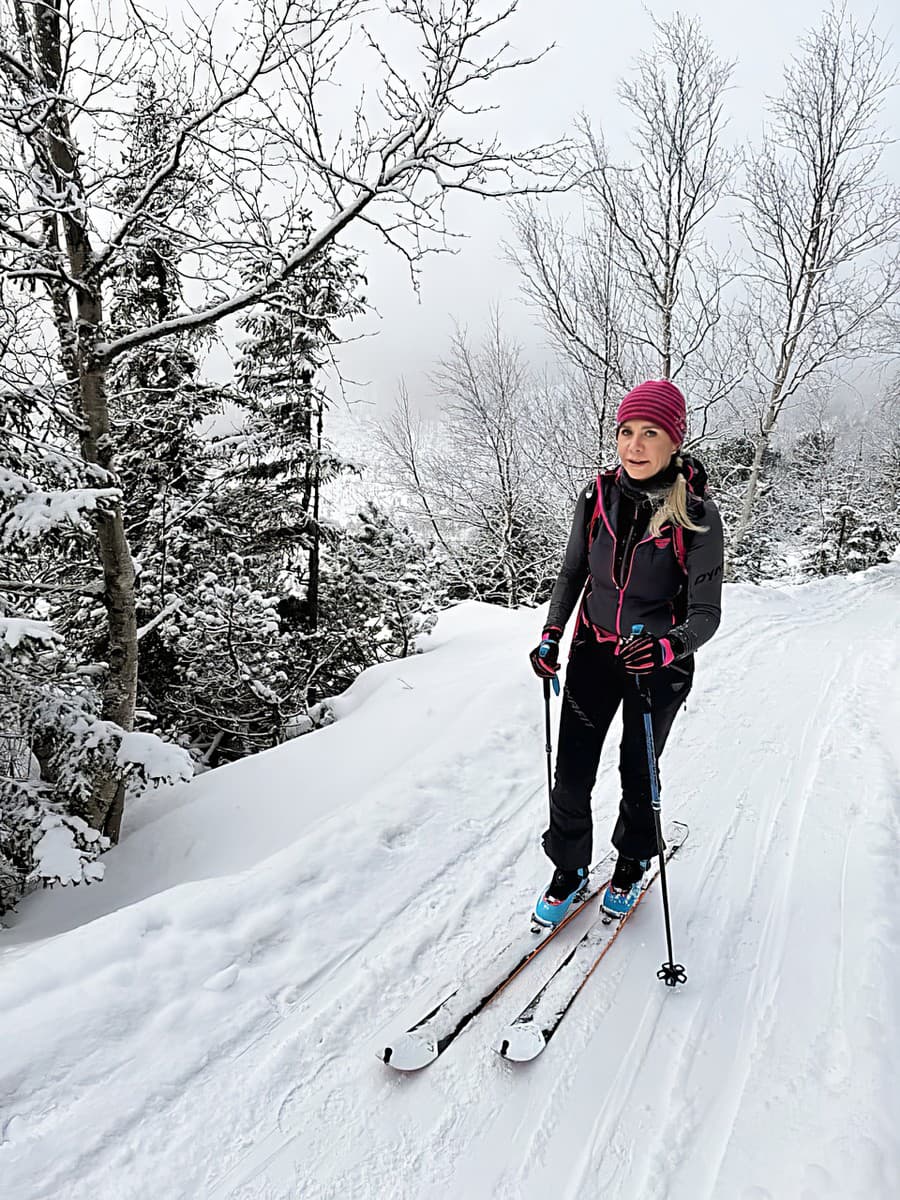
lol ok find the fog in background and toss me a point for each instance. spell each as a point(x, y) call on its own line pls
point(593, 46)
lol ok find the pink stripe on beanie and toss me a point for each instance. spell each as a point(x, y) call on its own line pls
point(658, 401)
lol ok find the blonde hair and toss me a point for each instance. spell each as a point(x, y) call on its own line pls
point(674, 507)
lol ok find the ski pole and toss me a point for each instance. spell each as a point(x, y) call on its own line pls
point(544, 651)
point(549, 739)
point(670, 972)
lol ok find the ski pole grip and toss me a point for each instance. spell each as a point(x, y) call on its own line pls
point(643, 685)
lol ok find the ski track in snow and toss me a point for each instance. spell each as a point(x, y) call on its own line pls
point(225, 1042)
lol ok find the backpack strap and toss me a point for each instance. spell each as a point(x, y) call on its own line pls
point(592, 510)
point(596, 509)
point(678, 546)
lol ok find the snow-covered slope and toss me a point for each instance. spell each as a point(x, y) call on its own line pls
point(203, 1025)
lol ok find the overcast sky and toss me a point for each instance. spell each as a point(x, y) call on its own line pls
point(595, 43)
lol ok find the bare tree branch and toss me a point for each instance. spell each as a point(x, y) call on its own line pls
point(818, 221)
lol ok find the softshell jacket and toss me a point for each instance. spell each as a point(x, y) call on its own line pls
point(671, 584)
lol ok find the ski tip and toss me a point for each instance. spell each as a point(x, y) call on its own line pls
point(520, 1043)
point(409, 1052)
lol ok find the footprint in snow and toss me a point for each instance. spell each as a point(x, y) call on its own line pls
point(223, 980)
point(395, 839)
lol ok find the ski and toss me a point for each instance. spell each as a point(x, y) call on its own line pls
point(529, 1033)
point(425, 1041)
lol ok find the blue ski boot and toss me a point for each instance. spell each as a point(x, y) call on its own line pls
point(554, 903)
point(624, 888)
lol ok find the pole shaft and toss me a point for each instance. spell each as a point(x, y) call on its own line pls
point(656, 803)
point(549, 745)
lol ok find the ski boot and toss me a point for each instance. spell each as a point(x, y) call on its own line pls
point(554, 903)
point(624, 888)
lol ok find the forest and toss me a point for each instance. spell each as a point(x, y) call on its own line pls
point(182, 581)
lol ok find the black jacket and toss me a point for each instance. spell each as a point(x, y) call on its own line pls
point(651, 588)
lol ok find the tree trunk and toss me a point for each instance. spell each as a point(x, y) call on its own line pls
point(312, 589)
point(104, 810)
point(776, 399)
point(120, 682)
point(750, 493)
point(667, 343)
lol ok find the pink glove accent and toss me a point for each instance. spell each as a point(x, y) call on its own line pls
point(668, 652)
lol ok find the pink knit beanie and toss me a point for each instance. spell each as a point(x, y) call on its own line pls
point(658, 401)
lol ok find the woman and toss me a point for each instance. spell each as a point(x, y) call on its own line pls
point(646, 547)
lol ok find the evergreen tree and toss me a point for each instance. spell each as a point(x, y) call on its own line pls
point(853, 540)
point(55, 743)
point(237, 652)
point(285, 459)
point(160, 404)
point(383, 587)
point(728, 462)
point(851, 526)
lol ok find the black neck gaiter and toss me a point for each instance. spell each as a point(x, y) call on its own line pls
point(637, 500)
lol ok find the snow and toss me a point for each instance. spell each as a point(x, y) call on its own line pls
point(15, 630)
point(204, 1023)
point(37, 511)
point(57, 856)
point(156, 758)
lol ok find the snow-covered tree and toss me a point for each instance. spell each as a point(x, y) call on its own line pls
point(821, 225)
point(253, 127)
point(285, 457)
point(851, 541)
point(481, 483)
point(848, 524)
point(383, 585)
point(55, 740)
point(728, 459)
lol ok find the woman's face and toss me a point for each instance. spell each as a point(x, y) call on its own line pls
point(644, 448)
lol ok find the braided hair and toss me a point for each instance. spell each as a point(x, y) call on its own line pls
point(674, 505)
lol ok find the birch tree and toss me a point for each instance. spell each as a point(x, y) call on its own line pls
point(476, 490)
point(821, 225)
point(573, 280)
point(250, 120)
point(652, 211)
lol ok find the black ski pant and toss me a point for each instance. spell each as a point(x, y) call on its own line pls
point(596, 684)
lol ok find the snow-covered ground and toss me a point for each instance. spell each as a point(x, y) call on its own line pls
point(204, 1023)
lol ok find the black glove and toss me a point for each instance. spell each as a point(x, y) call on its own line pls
point(645, 653)
point(545, 657)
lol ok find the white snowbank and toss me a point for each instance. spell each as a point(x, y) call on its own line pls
point(15, 630)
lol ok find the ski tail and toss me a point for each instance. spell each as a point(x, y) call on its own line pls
point(425, 1041)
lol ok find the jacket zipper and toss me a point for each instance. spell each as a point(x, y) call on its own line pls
point(625, 562)
point(620, 587)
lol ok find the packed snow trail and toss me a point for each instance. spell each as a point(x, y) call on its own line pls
point(205, 1023)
